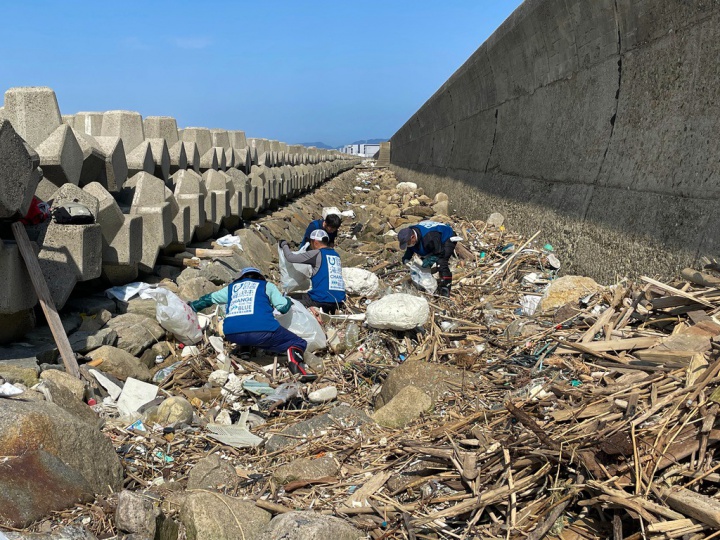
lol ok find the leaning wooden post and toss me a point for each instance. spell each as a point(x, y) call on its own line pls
point(46, 301)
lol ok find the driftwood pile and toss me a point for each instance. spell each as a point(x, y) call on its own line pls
point(591, 419)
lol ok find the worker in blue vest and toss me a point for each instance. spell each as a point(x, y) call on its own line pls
point(330, 225)
point(434, 243)
point(249, 319)
point(328, 287)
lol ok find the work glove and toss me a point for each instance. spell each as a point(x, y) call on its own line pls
point(283, 243)
point(429, 261)
point(201, 303)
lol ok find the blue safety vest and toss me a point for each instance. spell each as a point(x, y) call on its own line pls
point(248, 308)
point(425, 227)
point(328, 286)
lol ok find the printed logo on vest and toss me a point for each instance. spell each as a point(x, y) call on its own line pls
point(335, 279)
point(242, 299)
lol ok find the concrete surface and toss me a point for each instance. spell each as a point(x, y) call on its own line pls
point(592, 121)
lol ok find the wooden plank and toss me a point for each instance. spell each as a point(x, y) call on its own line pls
point(693, 504)
point(615, 345)
point(675, 291)
point(210, 253)
point(667, 358)
point(46, 301)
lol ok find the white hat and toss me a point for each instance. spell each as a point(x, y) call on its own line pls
point(319, 234)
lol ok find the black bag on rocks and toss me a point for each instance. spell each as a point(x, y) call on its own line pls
point(73, 214)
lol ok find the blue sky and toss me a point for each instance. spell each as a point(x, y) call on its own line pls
point(297, 71)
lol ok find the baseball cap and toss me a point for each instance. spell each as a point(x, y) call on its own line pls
point(404, 237)
point(319, 234)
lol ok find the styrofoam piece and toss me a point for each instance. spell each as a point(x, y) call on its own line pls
point(398, 312)
point(134, 395)
point(360, 282)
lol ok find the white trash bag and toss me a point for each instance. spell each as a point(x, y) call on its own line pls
point(423, 278)
point(174, 315)
point(294, 277)
point(330, 210)
point(303, 324)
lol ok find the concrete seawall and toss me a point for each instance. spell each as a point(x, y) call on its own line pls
point(595, 121)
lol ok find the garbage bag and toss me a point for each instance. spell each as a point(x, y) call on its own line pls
point(302, 323)
point(174, 315)
point(423, 278)
point(294, 277)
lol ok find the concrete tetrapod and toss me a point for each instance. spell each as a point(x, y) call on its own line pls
point(165, 127)
point(181, 229)
point(190, 193)
point(240, 203)
point(192, 155)
point(33, 112)
point(61, 159)
point(218, 185)
point(116, 169)
point(146, 197)
point(161, 157)
point(19, 176)
point(70, 253)
point(128, 125)
point(93, 165)
point(89, 123)
point(141, 159)
point(122, 237)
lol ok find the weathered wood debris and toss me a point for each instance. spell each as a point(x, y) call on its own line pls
point(527, 406)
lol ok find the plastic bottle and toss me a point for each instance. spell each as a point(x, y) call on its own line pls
point(351, 335)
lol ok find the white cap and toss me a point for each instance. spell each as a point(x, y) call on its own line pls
point(319, 234)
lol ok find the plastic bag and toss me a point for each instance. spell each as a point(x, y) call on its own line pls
point(423, 278)
point(175, 316)
point(302, 323)
point(294, 277)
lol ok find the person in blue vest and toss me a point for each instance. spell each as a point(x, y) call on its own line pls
point(328, 288)
point(330, 225)
point(249, 319)
point(434, 243)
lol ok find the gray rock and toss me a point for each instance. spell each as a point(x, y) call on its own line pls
point(219, 272)
point(135, 514)
point(64, 380)
point(310, 526)
point(407, 405)
point(212, 473)
point(212, 516)
point(17, 374)
point(120, 363)
point(195, 288)
point(35, 484)
point(174, 410)
point(84, 342)
point(306, 469)
point(341, 416)
point(136, 332)
point(27, 426)
point(63, 397)
point(432, 379)
point(140, 306)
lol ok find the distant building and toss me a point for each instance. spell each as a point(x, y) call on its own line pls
point(362, 150)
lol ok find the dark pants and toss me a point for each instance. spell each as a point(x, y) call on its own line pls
point(444, 262)
point(305, 300)
point(275, 342)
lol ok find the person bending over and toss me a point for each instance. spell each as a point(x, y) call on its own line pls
point(328, 287)
point(433, 243)
point(249, 319)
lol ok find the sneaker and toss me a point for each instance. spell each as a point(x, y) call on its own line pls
point(444, 292)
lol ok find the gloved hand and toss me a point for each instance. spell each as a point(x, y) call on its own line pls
point(429, 261)
point(201, 303)
point(282, 243)
point(405, 261)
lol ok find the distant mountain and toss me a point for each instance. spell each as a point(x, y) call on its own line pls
point(317, 145)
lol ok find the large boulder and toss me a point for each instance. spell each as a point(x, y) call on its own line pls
point(27, 426)
point(310, 526)
point(407, 405)
point(432, 379)
point(136, 332)
point(136, 514)
point(212, 473)
point(212, 516)
point(194, 288)
point(34, 484)
point(120, 363)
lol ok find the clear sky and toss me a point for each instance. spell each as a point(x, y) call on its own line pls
point(297, 71)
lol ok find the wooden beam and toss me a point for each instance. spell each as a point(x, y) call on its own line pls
point(46, 301)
